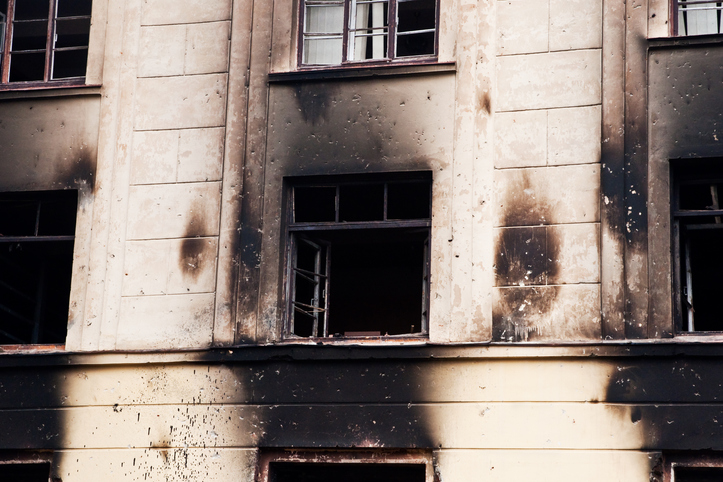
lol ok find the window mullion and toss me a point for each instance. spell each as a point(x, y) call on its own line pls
point(392, 30)
point(50, 40)
point(8, 42)
point(345, 32)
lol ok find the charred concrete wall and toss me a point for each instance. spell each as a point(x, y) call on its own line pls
point(493, 411)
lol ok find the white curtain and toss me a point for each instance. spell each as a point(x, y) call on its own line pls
point(363, 10)
point(698, 19)
point(327, 22)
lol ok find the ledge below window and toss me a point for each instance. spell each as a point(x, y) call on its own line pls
point(362, 72)
point(713, 40)
point(46, 89)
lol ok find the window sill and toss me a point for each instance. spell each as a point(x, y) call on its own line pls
point(32, 90)
point(362, 71)
point(357, 340)
point(19, 349)
point(712, 40)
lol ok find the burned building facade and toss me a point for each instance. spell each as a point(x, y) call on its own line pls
point(412, 240)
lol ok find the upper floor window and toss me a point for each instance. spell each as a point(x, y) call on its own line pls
point(358, 256)
point(44, 40)
point(698, 17)
point(336, 32)
point(697, 210)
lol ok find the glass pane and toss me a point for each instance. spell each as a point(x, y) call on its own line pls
point(323, 51)
point(361, 203)
point(72, 32)
point(314, 204)
point(31, 9)
point(408, 200)
point(69, 63)
point(416, 15)
point(370, 44)
point(27, 67)
point(74, 8)
point(30, 35)
point(415, 44)
point(699, 19)
point(324, 19)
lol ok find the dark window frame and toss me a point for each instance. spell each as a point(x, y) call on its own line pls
point(303, 232)
point(391, 57)
point(343, 456)
point(50, 50)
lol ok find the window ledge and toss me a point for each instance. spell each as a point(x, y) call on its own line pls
point(387, 70)
point(713, 40)
point(47, 89)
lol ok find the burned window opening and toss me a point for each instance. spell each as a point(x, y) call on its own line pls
point(349, 472)
point(44, 40)
point(698, 234)
point(37, 232)
point(358, 256)
point(336, 32)
point(23, 466)
point(347, 465)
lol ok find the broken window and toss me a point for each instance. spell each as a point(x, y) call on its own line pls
point(358, 262)
point(349, 466)
point(698, 17)
point(37, 231)
point(44, 40)
point(697, 211)
point(335, 32)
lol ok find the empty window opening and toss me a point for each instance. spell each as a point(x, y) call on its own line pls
point(698, 474)
point(348, 472)
point(359, 257)
point(37, 231)
point(339, 31)
point(25, 472)
point(698, 232)
point(44, 40)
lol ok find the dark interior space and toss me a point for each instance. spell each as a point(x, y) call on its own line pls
point(39, 472)
point(698, 474)
point(697, 213)
point(414, 16)
point(347, 472)
point(36, 258)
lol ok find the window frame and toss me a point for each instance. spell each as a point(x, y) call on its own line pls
point(39, 322)
point(713, 460)
point(680, 259)
point(675, 9)
point(50, 53)
point(345, 34)
point(22, 457)
point(344, 456)
point(294, 231)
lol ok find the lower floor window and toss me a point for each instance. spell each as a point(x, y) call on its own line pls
point(345, 465)
point(25, 466)
point(37, 232)
point(358, 256)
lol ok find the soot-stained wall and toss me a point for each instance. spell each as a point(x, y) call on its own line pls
point(333, 127)
point(685, 121)
point(48, 143)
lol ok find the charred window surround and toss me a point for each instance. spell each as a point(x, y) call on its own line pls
point(37, 232)
point(693, 467)
point(25, 466)
point(43, 42)
point(346, 465)
point(697, 212)
point(358, 255)
point(340, 32)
